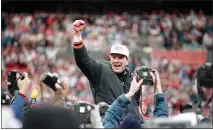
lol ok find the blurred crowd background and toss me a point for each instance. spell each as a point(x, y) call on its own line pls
point(36, 40)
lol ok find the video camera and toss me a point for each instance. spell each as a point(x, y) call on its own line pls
point(50, 79)
point(205, 76)
point(12, 81)
point(143, 73)
point(82, 111)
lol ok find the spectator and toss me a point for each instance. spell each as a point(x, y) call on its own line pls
point(19, 101)
point(114, 113)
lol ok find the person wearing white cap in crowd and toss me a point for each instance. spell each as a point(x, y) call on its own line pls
point(108, 80)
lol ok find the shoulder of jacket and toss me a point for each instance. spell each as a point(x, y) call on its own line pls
point(105, 64)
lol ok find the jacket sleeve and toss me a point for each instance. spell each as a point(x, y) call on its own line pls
point(115, 112)
point(161, 106)
point(18, 106)
point(89, 67)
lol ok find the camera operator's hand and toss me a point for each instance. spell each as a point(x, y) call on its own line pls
point(24, 84)
point(60, 93)
point(135, 86)
point(79, 25)
point(95, 117)
point(61, 90)
point(157, 82)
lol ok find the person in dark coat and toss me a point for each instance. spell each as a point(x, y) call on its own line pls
point(108, 80)
point(113, 115)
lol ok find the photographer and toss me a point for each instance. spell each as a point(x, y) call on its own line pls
point(19, 101)
point(23, 85)
point(49, 83)
point(114, 113)
point(108, 80)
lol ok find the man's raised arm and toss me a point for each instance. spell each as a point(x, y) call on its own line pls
point(90, 67)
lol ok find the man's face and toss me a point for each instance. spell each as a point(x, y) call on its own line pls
point(118, 62)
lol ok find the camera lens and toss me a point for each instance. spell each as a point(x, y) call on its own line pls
point(145, 74)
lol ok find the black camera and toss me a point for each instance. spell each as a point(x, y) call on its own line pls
point(82, 111)
point(50, 80)
point(205, 76)
point(12, 81)
point(5, 98)
point(143, 73)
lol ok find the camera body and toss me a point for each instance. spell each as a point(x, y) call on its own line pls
point(205, 76)
point(143, 73)
point(5, 98)
point(12, 81)
point(82, 111)
point(50, 80)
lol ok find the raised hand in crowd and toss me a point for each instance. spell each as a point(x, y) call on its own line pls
point(60, 93)
point(135, 86)
point(57, 91)
point(157, 83)
point(24, 84)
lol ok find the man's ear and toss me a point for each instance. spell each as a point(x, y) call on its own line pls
point(127, 61)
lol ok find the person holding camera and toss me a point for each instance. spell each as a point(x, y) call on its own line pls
point(108, 80)
point(114, 113)
point(50, 83)
point(20, 99)
point(23, 84)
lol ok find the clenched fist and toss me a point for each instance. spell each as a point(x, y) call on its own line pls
point(79, 25)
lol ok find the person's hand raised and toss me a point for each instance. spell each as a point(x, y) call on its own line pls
point(135, 86)
point(24, 84)
point(61, 91)
point(79, 25)
point(157, 83)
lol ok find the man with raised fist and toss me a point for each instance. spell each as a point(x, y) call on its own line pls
point(108, 80)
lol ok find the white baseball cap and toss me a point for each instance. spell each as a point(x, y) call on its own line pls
point(119, 49)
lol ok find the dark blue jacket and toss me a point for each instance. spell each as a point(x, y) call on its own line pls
point(18, 106)
point(114, 114)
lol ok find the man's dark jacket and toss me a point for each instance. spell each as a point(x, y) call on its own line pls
point(106, 85)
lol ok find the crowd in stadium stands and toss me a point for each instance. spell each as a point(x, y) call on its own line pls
point(34, 42)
